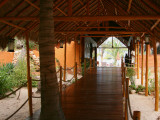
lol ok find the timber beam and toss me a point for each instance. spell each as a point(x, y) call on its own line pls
point(99, 32)
point(89, 18)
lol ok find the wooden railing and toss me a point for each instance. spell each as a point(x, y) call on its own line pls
point(125, 89)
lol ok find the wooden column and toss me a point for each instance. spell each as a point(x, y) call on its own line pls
point(65, 49)
point(90, 63)
point(137, 59)
point(142, 51)
point(146, 78)
point(75, 71)
point(156, 75)
point(60, 87)
point(136, 55)
point(84, 66)
point(96, 56)
point(74, 54)
point(75, 51)
point(29, 85)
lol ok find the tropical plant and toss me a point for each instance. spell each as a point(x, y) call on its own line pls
point(50, 100)
point(5, 84)
point(140, 88)
point(130, 73)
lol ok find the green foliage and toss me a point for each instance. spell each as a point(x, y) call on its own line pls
point(133, 86)
point(112, 53)
point(11, 77)
point(130, 73)
point(33, 45)
point(5, 71)
point(140, 88)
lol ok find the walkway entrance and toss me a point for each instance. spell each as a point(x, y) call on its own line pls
point(97, 96)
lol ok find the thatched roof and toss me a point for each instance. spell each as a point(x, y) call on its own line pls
point(30, 8)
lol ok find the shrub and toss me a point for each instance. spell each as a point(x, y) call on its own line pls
point(5, 84)
point(133, 86)
point(11, 76)
point(140, 88)
point(33, 45)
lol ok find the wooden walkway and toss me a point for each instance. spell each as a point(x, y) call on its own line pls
point(97, 96)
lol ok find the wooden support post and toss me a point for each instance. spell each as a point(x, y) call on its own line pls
point(136, 55)
point(84, 66)
point(142, 51)
point(65, 48)
point(124, 70)
point(137, 59)
point(90, 63)
point(126, 99)
point(60, 81)
point(146, 79)
point(28, 76)
point(94, 63)
point(136, 115)
point(75, 71)
point(156, 75)
point(74, 54)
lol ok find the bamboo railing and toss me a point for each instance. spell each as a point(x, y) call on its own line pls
point(125, 89)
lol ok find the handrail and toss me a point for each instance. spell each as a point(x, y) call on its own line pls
point(125, 83)
point(17, 110)
point(13, 91)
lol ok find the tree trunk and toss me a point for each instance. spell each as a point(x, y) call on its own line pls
point(50, 101)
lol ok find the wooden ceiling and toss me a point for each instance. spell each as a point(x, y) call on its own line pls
point(83, 17)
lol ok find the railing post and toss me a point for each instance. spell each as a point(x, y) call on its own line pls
point(84, 66)
point(75, 71)
point(60, 80)
point(136, 115)
point(126, 99)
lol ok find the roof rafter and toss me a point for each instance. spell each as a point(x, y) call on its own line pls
point(3, 2)
point(129, 6)
point(89, 18)
point(32, 4)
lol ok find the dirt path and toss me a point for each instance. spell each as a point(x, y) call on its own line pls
point(145, 105)
point(9, 105)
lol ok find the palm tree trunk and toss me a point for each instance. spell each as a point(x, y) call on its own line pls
point(50, 101)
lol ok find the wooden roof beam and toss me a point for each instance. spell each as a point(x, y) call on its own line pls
point(13, 25)
point(35, 6)
point(90, 18)
point(3, 2)
point(103, 27)
point(129, 6)
point(155, 24)
point(99, 32)
point(80, 2)
point(69, 7)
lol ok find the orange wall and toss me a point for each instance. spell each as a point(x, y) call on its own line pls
point(59, 54)
point(6, 57)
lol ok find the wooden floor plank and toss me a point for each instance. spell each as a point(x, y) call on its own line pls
point(97, 96)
